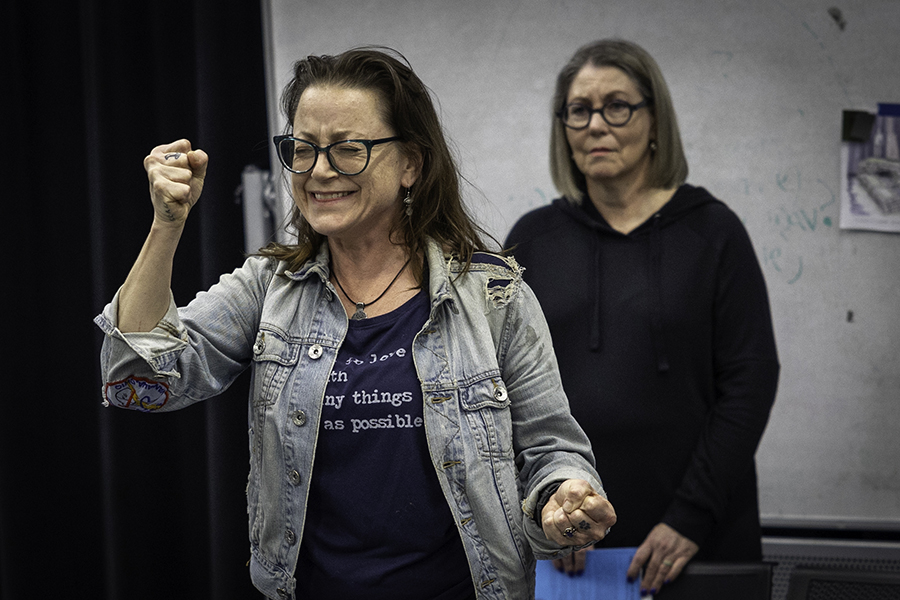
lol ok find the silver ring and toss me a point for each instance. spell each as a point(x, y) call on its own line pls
point(570, 532)
point(175, 155)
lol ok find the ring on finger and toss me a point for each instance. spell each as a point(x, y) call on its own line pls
point(570, 532)
point(667, 563)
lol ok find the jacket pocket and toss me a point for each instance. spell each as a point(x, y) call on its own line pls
point(486, 407)
point(273, 360)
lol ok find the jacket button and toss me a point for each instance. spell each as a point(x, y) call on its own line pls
point(289, 537)
point(500, 394)
point(260, 344)
point(294, 476)
point(299, 418)
point(315, 351)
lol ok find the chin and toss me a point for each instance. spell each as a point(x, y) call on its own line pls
point(323, 224)
point(601, 175)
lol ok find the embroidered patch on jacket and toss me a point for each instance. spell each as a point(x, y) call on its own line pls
point(137, 393)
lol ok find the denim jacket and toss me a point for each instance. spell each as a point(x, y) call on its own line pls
point(497, 421)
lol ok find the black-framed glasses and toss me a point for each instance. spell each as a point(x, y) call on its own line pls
point(347, 157)
point(616, 113)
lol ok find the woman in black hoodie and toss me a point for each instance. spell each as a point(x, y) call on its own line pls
point(659, 316)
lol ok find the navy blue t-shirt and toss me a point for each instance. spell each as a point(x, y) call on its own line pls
point(377, 524)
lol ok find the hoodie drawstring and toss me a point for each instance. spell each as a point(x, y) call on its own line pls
point(595, 339)
point(659, 344)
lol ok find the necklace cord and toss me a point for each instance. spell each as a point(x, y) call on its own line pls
point(361, 305)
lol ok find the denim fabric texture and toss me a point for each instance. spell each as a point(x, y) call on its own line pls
point(497, 420)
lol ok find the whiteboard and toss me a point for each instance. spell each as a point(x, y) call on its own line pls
point(759, 88)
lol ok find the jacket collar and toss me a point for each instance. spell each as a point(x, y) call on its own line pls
point(438, 272)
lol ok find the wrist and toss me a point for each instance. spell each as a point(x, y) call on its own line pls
point(164, 229)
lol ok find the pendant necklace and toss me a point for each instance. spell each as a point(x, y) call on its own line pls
point(360, 313)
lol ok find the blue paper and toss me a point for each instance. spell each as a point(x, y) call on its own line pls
point(604, 578)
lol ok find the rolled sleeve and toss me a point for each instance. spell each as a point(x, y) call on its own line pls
point(158, 348)
point(138, 368)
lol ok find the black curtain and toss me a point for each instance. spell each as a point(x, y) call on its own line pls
point(99, 502)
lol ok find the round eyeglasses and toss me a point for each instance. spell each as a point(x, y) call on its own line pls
point(616, 113)
point(347, 157)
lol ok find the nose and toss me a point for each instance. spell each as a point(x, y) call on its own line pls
point(323, 170)
point(597, 123)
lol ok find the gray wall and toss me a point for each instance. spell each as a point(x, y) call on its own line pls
point(759, 88)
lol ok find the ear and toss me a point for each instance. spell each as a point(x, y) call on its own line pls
point(412, 166)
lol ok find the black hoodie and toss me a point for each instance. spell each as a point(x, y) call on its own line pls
point(667, 354)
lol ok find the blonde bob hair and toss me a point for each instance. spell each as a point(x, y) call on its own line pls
point(668, 166)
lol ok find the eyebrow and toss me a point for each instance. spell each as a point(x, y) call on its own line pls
point(337, 136)
point(605, 97)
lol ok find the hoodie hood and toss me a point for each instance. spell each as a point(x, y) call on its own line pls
point(687, 199)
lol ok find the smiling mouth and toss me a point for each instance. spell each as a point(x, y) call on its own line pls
point(323, 197)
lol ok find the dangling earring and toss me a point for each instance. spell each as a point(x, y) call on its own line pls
point(408, 202)
point(653, 146)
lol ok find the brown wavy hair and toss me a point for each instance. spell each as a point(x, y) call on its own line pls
point(438, 210)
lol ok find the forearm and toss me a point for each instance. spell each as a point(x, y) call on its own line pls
point(144, 298)
point(176, 174)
